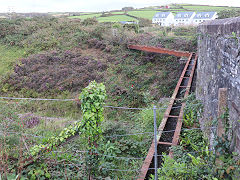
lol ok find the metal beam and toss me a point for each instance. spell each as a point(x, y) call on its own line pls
point(160, 50)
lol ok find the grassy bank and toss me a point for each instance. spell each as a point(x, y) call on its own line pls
point(8, 57)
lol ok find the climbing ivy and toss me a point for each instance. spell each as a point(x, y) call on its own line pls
point(92, 101)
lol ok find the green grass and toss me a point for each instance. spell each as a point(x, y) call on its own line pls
point(8, 56)
point(117, 18)
point(86, 16)
point(143, 14)
point(121, 12)
point(148, 13)
point(204, 8)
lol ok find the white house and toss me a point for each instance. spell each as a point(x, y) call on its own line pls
point(163, 18)
point(204, 16)
point(183, 18)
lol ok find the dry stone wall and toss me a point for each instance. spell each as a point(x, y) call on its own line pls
point(219, 67)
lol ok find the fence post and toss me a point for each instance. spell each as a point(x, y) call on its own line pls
point(222, 106)
point(155, 142)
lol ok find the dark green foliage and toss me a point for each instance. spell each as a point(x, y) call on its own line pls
point(144, 22)
point(134, 27)
point(192, 111)
point(89, 21)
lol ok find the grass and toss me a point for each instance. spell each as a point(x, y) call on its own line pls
point(205, 8)
point(8, 56)
point(121, 12)
point(117, 18)
point(86, 16)
point(149, 13)
point(143, 14)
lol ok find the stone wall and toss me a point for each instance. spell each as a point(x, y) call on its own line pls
point(219, 67)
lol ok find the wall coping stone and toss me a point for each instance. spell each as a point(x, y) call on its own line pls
point(221, 26)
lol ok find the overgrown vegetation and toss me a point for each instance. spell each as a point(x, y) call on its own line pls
point(58, 59)
point(194, 158)
point(227, 13)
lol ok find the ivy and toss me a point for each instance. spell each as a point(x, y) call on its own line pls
point(92, 101)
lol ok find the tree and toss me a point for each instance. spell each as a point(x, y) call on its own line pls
point(127, 8)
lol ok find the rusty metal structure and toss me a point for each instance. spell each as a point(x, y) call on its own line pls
point(172, 120)
point(173, 117)
point(160, 50)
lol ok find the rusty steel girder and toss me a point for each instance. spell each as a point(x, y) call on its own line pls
point(160, 50)
point(187, 73)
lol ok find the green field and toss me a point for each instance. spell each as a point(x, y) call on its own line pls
point(117, 18)
point(86, 16)
point(8, 56)
point(148, 13)
point(205, 8)
point(118, 12)
point(143, 14)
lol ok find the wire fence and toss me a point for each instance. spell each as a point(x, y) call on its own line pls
point(107, 106)
point(115, 135)
point(111, 136)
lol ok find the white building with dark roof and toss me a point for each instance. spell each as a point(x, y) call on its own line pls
point(163, 18)
point(201, 17)
point(183, 18)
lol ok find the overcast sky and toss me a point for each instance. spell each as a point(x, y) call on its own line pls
point(95, 5)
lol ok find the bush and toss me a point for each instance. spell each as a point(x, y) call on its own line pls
point(144, 22)
point(67, 70)
point(228, 13)
point(89, 21)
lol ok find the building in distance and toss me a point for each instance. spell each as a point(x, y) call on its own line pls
point(163, 18)
point(182, 18)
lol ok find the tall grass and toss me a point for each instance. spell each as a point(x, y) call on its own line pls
point(8, 57)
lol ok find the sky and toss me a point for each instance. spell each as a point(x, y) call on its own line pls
point(95, 5)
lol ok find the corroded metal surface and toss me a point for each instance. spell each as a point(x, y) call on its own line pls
point(180, 118)
point(187, 73)
point(160, 50)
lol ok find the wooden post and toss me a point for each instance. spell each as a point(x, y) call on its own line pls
point(222, 107)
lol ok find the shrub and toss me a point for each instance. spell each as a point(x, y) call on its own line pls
point(67, 70)
point(89, 21)
point(144, 22)
point(228, 13)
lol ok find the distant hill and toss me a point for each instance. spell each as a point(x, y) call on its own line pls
point(148, 12)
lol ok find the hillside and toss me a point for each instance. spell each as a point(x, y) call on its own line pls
point(148, 12)
point(56, 58)
point(77, 103)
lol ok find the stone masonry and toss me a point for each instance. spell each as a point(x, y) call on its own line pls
point(219, 67)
